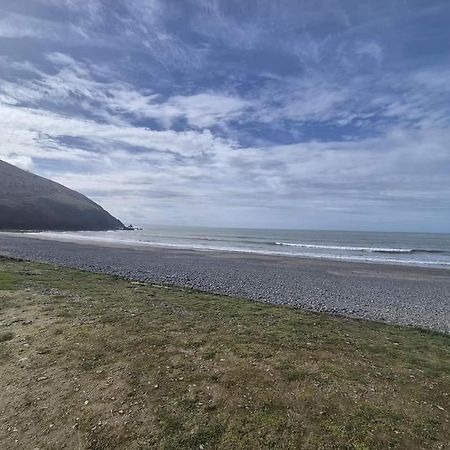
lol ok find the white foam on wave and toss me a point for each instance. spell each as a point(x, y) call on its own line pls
point(347, 248)
point(75, 237)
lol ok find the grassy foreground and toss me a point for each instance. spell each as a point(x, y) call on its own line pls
point(93, 361)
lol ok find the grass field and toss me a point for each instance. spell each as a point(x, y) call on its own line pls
point(93, 361)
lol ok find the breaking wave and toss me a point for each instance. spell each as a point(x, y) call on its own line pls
point(357, 249)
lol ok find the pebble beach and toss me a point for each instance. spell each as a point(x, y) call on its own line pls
point(402, 295)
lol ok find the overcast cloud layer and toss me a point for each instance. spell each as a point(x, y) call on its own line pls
point(294, 114)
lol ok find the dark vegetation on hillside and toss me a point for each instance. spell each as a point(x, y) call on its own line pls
point(30, 202)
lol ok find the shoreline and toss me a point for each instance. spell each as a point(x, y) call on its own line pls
point(142, 245)
point(406, 295)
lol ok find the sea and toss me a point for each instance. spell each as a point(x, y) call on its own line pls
point(417, 249)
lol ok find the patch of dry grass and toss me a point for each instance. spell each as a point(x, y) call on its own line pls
point(93, 361)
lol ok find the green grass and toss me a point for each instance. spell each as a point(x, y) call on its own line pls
point(178, 369)
point(8, 280)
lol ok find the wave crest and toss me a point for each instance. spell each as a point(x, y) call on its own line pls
point(357, 249)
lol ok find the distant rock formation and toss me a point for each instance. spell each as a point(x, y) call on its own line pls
point(30, 202)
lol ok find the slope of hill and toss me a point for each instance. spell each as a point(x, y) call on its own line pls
point(31, 202)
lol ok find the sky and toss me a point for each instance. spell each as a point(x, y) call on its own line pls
point(320, 114)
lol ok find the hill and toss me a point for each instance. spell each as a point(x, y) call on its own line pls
point(31, 202)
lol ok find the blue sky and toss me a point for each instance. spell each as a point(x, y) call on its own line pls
point(287, 114)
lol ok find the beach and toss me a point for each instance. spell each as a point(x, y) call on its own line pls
point(412, 296)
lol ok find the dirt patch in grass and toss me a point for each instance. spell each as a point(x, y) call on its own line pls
point(92, 361)
point(4, 337)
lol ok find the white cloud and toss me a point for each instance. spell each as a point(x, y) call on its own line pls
point(24, 162)
point(13, 26)
point(75, 83)
point(204, 110)
point(24, 26)
point(25, 128)
point(173, 175)
point(371, 49)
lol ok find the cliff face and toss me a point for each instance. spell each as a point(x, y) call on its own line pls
point(30, 202)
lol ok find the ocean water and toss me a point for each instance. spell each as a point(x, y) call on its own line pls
point(421, 249)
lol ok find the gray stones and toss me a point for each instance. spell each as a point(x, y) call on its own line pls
point(397, 294)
